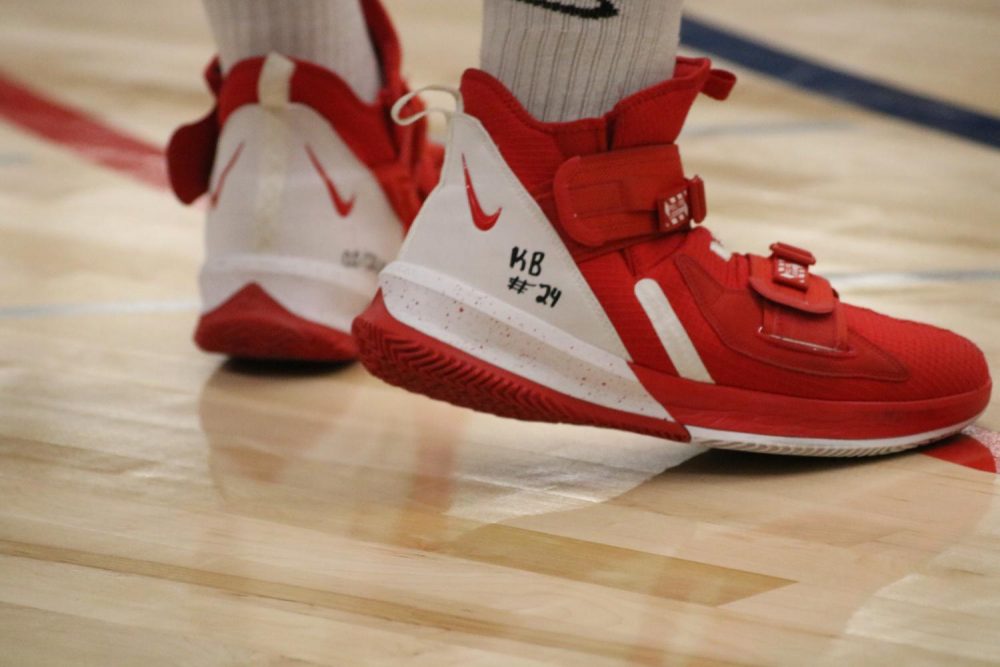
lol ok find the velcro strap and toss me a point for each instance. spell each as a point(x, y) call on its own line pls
point(190, 157)
point(191, 149)
point(213, 76)
point(719, 84)
point(816, 332)
point(618, 195)
point(784, 278)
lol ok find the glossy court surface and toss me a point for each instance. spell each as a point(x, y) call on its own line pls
point(159, 506)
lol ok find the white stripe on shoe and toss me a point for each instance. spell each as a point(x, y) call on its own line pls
point(273, 92)
point(671, 332)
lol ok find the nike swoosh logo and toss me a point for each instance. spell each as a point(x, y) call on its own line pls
point(213, 199)
point(482, 220)
point(605, 9)
point(343, 206)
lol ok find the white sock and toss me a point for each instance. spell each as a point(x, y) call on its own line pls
point(571, 59)
point(330, 33)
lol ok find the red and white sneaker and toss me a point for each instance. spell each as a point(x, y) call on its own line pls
point(309, 193)
point(557, 274)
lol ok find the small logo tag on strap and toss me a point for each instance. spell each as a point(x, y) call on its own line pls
point(790, 273)
point(684, 207)
point(791, 265)
point(676, 211)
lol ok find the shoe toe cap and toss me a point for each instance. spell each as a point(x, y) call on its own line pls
point(937, 362)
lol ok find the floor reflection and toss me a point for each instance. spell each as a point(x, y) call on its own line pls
point(767, 539)
point(259, 417)
point(337, 437)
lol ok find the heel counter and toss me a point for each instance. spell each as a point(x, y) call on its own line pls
point(285, 183)
point(481, 228)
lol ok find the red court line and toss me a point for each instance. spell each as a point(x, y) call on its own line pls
point(975, 447)
point(81, 133)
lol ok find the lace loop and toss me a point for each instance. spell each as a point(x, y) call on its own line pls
point(397, 108)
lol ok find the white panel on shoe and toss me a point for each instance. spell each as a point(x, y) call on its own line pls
point(317, 264)
point(444, 236)
point(512, 339)
point(453, 282)
point(274, 135)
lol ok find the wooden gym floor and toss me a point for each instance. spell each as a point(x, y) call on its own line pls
point(159, 506)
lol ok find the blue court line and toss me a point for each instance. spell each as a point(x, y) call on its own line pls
point(762, 129)
point(814, 76)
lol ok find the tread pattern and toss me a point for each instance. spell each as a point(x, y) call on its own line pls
point(407, 358)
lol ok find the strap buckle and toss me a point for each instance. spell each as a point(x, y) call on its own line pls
point(688, 206)
point(790, 265)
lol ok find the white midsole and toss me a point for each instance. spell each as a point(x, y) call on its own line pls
point(512, 339)
point(320, 292)
point(712, 438)
point(516, 341)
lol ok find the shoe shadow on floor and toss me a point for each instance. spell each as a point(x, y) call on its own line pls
point(278, 368)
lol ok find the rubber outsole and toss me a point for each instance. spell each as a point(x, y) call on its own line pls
point(253, 325)
point(404, 357)
point(407, 358)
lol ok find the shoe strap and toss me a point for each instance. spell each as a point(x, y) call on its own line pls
point(784, 278)
point(191, 149)
point(606, 198)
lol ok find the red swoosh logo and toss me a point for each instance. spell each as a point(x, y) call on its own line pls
point(481, 219)
point(343, 206)
point(213, 199)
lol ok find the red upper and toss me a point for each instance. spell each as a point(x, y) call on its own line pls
point(614, 189)
point(403, 161)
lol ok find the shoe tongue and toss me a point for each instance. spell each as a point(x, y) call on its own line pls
point(657, 114)
point(653, 116)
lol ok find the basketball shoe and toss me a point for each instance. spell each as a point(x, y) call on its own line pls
point(558, 273)
point(309, 190)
